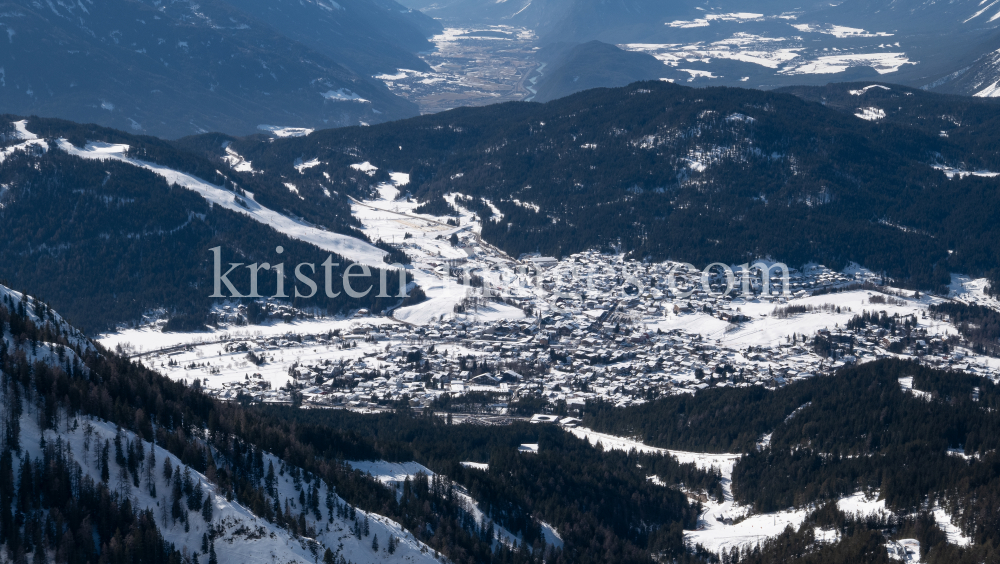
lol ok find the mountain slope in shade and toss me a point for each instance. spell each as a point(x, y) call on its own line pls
point(571, 69)
point(980, 77)
point(367, 36)
point(966, 121)
point(175, 69)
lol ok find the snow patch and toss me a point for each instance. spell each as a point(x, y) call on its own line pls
point(237, 162)
point(302, 166)
point(870, 114)
point(952, 172)
point(883, 63)
point(21, 127)
point(839, 31)
point(25, 146)
point(704, 22)
point(867, 88)
point(365, 167)
point(279, 131)
point(343, 95)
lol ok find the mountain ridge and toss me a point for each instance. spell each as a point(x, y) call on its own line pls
point(654, 169)
point(190, 68)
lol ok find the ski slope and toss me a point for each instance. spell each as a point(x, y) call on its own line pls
point(343, 245)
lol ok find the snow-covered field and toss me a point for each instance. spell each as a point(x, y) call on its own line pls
point(774, 42)
point(217, 367)
point(765, 330)
point(425, 238)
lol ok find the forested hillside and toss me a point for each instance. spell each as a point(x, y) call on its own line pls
point(666, 171)
point(862, 429)
point(966, 122)
point(107, 241)
point(603, 502)
point(654, 169)
point(919, 438)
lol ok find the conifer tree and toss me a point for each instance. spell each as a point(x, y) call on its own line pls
point(206, 510)
point(105, 471)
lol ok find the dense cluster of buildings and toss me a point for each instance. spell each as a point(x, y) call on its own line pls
point(619, 334)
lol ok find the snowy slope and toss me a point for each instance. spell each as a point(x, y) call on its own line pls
point(393, 474)
point(28, 141)
point(241, 536)
point(348, 247)
point(45, 352)
point(393, 219)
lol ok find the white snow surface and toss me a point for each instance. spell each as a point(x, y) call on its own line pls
point(343, 95)
point(952, 172)
point(236, 161)
point(765, 329)
point(302, 166)
point(391, 219)
point(150, 338)
point(839, 31)
point(279, 131)
point(866, 89)
point(704, 22)
point(972, 291)
point(24, 146)
point(953, 533)
point(232, 366)
point(365, 167)
point(22, 130)
point(883, 63)
point(870, 114)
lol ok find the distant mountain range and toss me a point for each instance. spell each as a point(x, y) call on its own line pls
point(178, 68)
point(945, 46)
